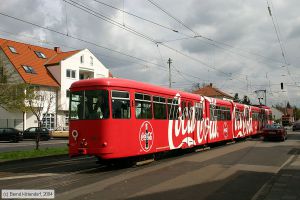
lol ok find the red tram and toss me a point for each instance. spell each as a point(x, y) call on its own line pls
point(117, 118)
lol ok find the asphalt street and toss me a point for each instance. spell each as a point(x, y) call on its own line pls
point(243, 170)
point(30, 144)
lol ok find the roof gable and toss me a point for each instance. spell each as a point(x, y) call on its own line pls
point(60, 56)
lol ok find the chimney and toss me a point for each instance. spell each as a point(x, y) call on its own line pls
point(210, 84)
point(57, 49)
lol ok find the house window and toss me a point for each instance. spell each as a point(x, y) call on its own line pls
point(82, 59)
point(28, 69)
point(92, 61)
point(68, 73)
point(40, 54)
point(12, 49)
point(48, 121)
point(71, 73)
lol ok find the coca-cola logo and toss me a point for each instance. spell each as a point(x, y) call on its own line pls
point(146, 136)
point(189, 130)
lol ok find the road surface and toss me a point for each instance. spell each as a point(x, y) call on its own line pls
point(252, 169)
point(30, 144)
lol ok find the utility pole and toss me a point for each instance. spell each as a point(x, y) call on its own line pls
point(247, 84)
point(169, 62)
point(265, 97)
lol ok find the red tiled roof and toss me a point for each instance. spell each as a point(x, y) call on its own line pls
point(26, 56)
point(290, 111)
point(210, 91)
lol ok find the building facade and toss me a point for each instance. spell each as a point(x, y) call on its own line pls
point(277, 114)
point(53, 72)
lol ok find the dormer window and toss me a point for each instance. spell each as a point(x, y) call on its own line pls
point(12, 49)
point(28, 69)
point(40, 54)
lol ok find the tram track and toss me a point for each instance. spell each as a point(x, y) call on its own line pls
point(78, 171)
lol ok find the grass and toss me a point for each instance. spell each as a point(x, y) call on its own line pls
point(17, 155)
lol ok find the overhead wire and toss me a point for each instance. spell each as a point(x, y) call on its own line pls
point(115, 50)
point(80, 39)
point(277, 34)
point(147, 37)
point(217, 43)
point(113, 22)
point(134, 15)
point(283, 53)
point(197, 35)
point(107, 19)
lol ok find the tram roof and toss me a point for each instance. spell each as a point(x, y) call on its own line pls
point(130, 84)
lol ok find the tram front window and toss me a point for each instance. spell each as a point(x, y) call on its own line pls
point(89, 104)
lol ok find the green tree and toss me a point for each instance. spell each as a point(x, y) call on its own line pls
point(39, 102)
point(236, 98)
point(23, 97)
point(296, 113)
point(12, 95)
point(246, 100)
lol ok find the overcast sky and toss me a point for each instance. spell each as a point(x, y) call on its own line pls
point(232, 44)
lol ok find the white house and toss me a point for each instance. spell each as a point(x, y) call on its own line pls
point(277, 114)
point(51, 70)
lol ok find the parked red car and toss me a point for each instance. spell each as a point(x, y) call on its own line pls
point(274, 131)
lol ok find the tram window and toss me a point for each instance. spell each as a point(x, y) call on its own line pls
point(120, 105)
point(198, 111)
point(173, 109)
point(97, 103)
point(143, 109)
point(76, 98)
point(213, 112)
point(219, 113)
point(89, 104)
point(237, 115)
point(223, 115)
point(247, 116)
point(255, 116)
point(159, 105)
point(228, 117)
point(189, 111)
point(184, 110)
point(270, 116)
